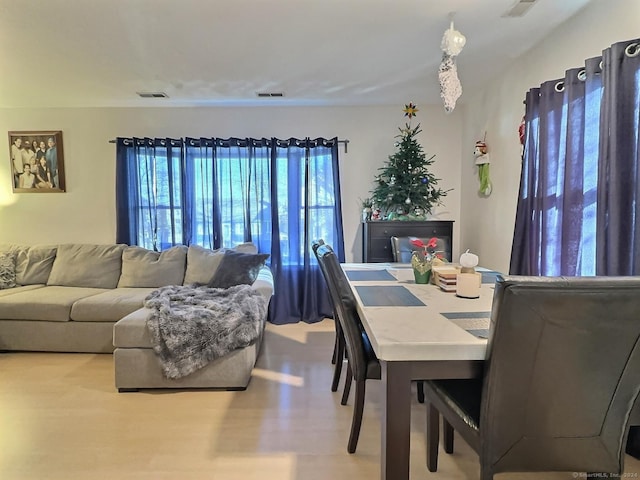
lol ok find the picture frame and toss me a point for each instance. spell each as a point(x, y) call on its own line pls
point(39, 166)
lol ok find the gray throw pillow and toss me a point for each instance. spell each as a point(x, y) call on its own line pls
point(237, 268)
point(7, 270)
point(246, 247)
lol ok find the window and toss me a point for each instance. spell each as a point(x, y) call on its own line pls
point(278, 194)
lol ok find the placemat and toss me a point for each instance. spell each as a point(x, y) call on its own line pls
point(391, 296)
point(480, 333)
point(489, 277)
point(463, 315)
point(368, 275)
point(476, 323)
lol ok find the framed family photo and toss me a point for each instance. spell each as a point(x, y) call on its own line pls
point(37, 161)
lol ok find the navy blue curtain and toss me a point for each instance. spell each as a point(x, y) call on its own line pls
point(149, 192)
point(307, 207)
point(618, 233)
point(278, 194)
point(578, 206)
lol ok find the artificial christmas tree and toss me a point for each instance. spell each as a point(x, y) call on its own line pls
point(405, 189)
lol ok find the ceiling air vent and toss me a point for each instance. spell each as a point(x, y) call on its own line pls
point(520, 8)
point(152, 94)
point(269, 94)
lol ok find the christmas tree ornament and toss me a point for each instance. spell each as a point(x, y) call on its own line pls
point(392, 180)
point(408, 201)
point(424, 181)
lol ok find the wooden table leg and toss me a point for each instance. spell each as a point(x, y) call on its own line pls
point(396, 420)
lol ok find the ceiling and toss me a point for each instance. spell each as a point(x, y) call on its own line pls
point(82, 53)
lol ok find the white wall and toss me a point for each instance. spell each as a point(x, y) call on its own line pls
point(487, 223)
point(86, 212)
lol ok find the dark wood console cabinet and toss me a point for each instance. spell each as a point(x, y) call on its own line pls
point(376, 236)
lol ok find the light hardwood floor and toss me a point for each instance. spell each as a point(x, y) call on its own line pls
point(61, 418)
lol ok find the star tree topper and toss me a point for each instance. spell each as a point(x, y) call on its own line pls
point(410, 110)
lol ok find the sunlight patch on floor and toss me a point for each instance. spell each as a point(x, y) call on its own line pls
point(253, 467)
point(280, 377)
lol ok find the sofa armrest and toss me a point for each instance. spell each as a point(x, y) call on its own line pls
point(264, 282)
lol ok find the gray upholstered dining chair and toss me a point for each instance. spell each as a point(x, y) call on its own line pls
point(402, 248)
point(338, 355)
point(561, 378)
point(362, 362)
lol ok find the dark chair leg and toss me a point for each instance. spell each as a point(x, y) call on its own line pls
point(485, 473)
point(433, 432)
point(334, 356)
point(337, 371)
point(447, 436)
point(420, 392)
point(356, 423)
point(347, 385)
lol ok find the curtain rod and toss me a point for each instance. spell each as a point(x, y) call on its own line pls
point(345, 141)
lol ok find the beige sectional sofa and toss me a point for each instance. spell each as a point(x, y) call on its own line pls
point(89, 298)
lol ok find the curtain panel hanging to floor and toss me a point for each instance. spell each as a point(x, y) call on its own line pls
point(278, 194)
point(578, 206)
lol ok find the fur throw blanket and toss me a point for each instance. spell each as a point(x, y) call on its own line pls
point(191, 326)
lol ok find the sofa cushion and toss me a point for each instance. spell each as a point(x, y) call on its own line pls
point(18, 289)
point(48, 303)
point(91, 266)
point(7, 270)
point(109, 306)
point(237, 268)
point(202, 263)
point(146, 268)
point(33, 264)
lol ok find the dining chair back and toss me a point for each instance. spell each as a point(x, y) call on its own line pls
point(358, 347)
point(561, 377)
point(402, 248)
point(338, 355)
point(362, 361)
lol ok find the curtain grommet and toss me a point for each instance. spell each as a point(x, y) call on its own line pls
point(559, 87)
point(632, 50)
point(582, 75)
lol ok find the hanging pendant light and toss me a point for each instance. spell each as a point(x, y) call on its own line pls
point(450, 87)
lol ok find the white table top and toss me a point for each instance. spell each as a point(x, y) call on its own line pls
point(409, 333)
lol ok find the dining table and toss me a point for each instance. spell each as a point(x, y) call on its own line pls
point(418, 332)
